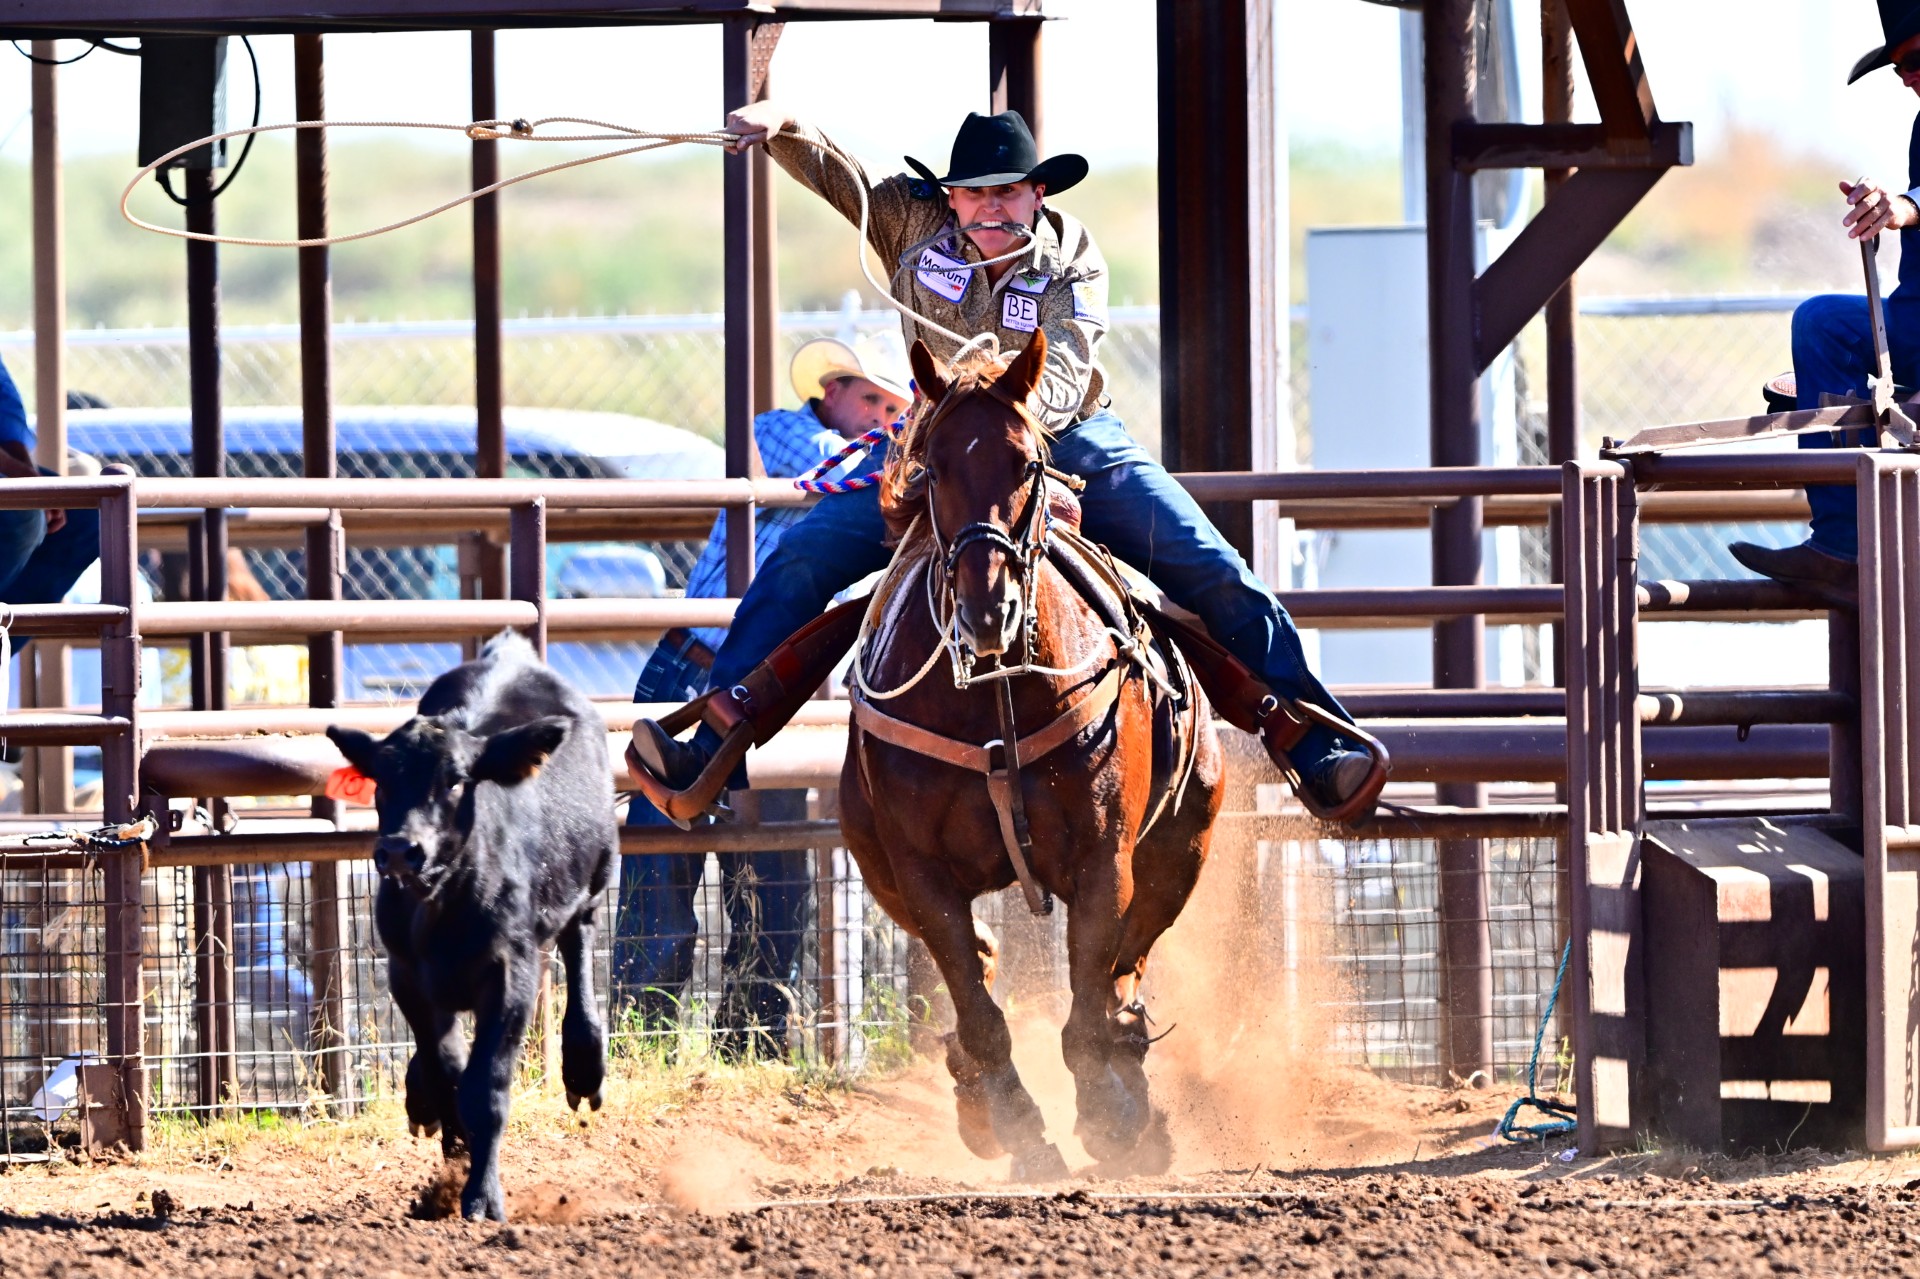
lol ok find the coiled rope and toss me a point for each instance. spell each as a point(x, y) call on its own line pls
point(1561, 1119)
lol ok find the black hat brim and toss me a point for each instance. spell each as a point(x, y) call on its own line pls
point(1872, 60)
point(1056, 173)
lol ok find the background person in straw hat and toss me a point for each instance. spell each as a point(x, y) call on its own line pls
point(845, 389)
point(942, 232)
point(1833, 339)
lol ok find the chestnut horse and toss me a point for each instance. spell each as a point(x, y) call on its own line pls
point(1007, 628)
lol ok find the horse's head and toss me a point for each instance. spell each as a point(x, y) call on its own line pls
point(978, 460)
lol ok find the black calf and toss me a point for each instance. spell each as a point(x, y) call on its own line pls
point(496, 839)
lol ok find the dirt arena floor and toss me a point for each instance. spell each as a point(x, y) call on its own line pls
point(1283, 1163)
point(765, 1171)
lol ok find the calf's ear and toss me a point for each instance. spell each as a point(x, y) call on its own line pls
point(512, 756)
point(357, 746)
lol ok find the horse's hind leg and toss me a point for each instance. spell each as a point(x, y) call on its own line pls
point(969, 1079)
point(1167, 874)
point(1111, 1102)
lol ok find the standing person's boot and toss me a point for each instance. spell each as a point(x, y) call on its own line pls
point(1806, 566)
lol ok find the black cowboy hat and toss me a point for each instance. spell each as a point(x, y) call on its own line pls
point(991, 150)
point(1899, 22)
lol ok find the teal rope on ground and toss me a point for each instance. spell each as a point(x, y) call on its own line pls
point(1561, 1118)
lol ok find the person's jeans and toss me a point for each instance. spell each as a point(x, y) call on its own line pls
point(764, 896)
point(1833, 354)
point(38, 567)
point(1131, 504)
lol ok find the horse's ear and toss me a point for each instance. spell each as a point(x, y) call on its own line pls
point(1024, 373)
point(927, 375)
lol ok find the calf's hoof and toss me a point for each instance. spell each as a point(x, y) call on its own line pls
point(574, 1099)
point(481, 1205)
point(418, 1129)
point(1042, 1162)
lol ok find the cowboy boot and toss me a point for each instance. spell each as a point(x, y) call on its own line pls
point(684, 779)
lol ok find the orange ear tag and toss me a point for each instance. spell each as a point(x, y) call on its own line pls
point(351, 785)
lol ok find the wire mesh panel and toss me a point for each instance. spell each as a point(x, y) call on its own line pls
point(52, 956)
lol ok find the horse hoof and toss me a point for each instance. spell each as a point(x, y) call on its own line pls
point(1040, 1163)
point(1149, 1155)
point(976, 1122)
point(423, 1130)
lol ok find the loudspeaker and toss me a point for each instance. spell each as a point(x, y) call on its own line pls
point(183, 97)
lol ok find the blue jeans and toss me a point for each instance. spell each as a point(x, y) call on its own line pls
point(1131, 504)
point(1833, 354)
point(38, 567)
point(765, 899)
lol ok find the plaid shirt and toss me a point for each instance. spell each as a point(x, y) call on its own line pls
point(792, 442)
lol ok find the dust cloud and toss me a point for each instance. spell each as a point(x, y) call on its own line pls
point(709, 1172)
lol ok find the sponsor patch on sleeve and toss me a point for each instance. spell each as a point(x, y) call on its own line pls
point(937, 272)
point(1087, 304)
point(1019, 311)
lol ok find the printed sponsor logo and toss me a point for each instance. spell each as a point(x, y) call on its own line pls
point(1086, 306)
point(937, 273)
point(1030, 281)
point(1020, 312)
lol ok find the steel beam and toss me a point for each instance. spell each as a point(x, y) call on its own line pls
point(1013, 71)
point(1214, 277)
point(1478, 146)
point(739, 245)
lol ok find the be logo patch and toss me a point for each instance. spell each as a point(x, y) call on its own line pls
point(1020, 312)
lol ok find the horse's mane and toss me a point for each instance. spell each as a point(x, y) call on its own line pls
point(903, 487)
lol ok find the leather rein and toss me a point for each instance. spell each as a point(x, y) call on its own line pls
point(1024, 542)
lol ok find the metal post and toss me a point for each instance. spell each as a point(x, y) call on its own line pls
point(483, 573)
point(326, 1037)
point(739, 245)
point(209, 428)
point(527, 564)
point(213, 925)
point(119, 778)
point(46, 674)
point(766, 294)
point(1013, 69)
point(1459, 643)
point(1209, 287)
point(1563, 388)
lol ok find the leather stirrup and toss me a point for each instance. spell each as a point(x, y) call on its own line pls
point(749, 713)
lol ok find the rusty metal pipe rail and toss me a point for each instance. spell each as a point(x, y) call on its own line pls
point(45, 491)
point(57, 728)
point(307, 721)
point(1784, 469)
point(440, 495)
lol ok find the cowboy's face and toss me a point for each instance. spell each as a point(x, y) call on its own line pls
point(1909, 78)
point(853, 405)
point(1015, 203)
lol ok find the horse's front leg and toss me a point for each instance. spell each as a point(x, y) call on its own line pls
point(983, 1065)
